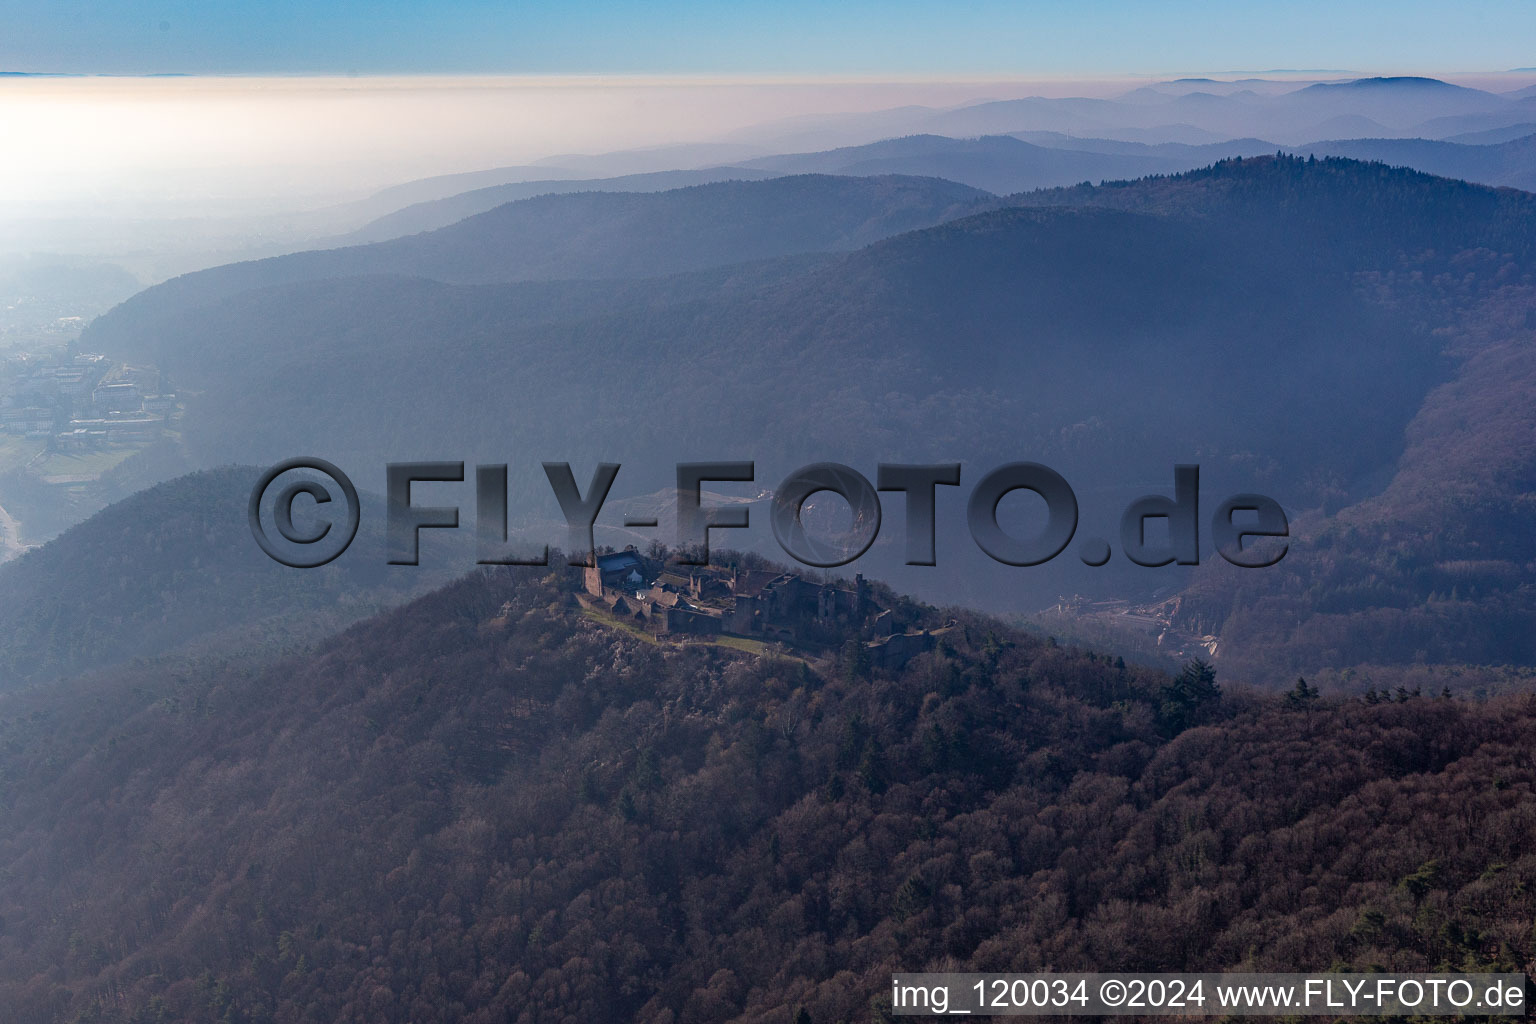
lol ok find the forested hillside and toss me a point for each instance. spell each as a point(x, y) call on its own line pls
point(174, 565)
point(486, 807)
point(1435, 566)
point(1510, 163)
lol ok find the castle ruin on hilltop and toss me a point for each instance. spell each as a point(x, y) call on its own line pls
point(680, 601)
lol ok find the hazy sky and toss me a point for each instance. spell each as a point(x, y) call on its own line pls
point(175, 143)
point(269, 110)
point(1077, 37)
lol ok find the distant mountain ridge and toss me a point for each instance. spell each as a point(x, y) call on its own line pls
point(1224, 115)
point(435, 213)
point(584, 236)
point(1291, 114)
point(1003, 164)
point(996, 163)
point(1026, 161)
